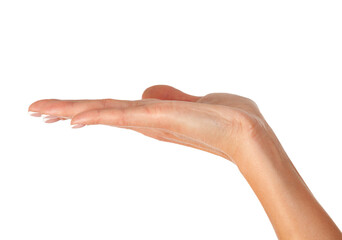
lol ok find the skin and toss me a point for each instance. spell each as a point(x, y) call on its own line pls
point(227, 125)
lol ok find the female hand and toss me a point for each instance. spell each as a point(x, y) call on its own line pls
point(217, 123)
point(227, 125)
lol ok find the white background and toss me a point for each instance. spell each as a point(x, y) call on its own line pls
point(102, 182)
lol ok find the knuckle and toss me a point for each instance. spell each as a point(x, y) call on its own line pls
point(209, 98)
point(155, 108)
point(251, 106)
point(251, 125)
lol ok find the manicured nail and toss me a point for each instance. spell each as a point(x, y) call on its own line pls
point(35, 114)
point(78, 125)
point(51, 119)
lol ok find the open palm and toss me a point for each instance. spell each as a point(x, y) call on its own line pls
point(215, 123)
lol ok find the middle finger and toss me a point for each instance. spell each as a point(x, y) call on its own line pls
point(69, 108)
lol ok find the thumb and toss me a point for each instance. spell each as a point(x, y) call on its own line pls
point(165, 92)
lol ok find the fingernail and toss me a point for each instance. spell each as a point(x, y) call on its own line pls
point(35, 114)
point(51, 119)
point(77, 125)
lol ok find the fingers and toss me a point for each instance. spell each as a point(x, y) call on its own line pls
point(69, 108)
point(165, 92)
point(140, 115)
point(196, 121)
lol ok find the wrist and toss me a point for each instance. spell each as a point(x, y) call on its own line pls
point(288, 202)
point(257, 144)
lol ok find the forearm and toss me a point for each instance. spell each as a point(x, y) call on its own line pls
point(289, 204)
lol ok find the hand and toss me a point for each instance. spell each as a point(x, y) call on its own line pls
point(227, 125)
point(216, 123)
